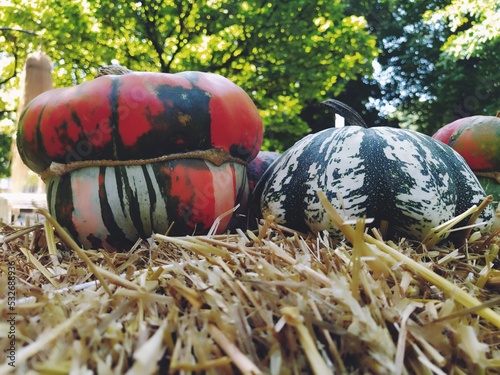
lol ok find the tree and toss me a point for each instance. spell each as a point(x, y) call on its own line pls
point(474, 24)
point(283, 54)
point(468, 59)
point(427, 78)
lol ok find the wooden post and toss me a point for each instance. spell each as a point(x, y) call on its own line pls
point(36, 78)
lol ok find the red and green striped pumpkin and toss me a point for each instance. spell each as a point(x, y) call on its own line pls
point(126, 156)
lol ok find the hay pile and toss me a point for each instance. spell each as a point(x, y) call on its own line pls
point(271, 301)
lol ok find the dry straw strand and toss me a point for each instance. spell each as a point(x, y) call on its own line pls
point(443, 284)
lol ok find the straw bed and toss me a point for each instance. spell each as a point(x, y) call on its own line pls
point(271, 301)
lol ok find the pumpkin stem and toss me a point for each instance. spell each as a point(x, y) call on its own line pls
point(352, 118)
point(114, 69)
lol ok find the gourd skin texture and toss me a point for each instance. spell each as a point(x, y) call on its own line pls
point(404, 177)
point(139, 115)
point(258, 166)
point(113, 206)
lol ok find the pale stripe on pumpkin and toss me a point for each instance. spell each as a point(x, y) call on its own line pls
point(330, 170)
point(224, 190)
point(87, 217)
point(132, 215)
point(432, 194)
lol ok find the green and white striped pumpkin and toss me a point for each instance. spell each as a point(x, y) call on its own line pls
point(113, 206)
point(401, 176)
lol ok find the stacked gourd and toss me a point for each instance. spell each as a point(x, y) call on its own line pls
point(128, 155)
point(476, 138)
point(404, 178)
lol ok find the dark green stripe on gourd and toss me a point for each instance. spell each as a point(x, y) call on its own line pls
point(153, 199)
point(60, 195)
point(134, 204)
point(35, 159)
point(114, 119)
point(107, 215)
point(183, 122)
point(81, 131)
point(164, 182)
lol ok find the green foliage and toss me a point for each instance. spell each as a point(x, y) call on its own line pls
point(433, 68)
point(467, 65)
point(5, 144)
point(282, 53)
point(474, 23)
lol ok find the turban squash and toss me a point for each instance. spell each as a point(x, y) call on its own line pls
point(127, 155)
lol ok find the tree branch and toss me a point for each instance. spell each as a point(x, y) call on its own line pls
point(148, 21)
point(183, 15)
point(14, 71)
point(18, 30)
point(245, 50)
point(16, 57)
